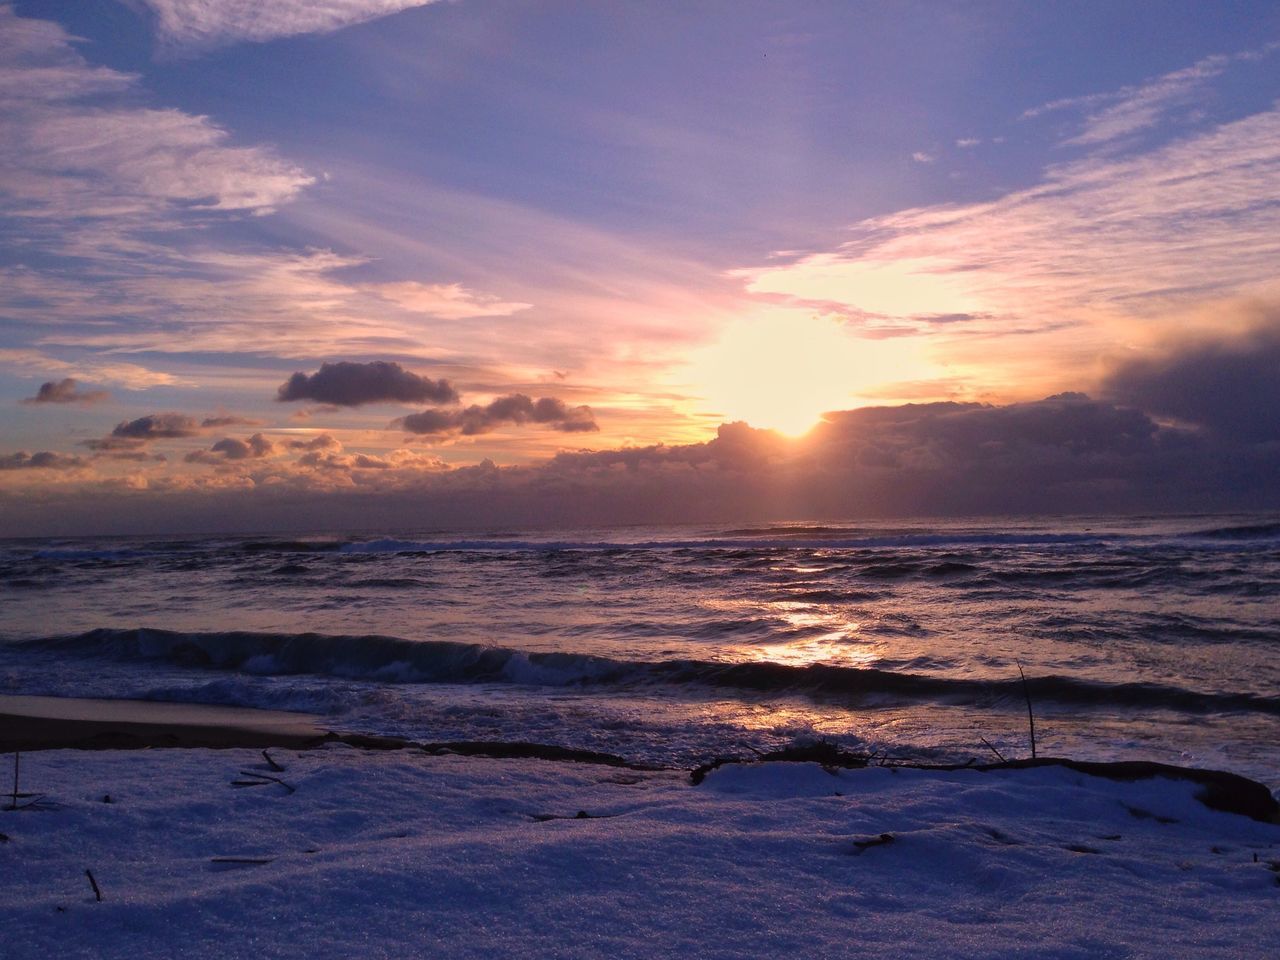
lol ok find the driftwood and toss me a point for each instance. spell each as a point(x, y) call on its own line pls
point(880, 841)
point(518, 750)
point(824, 752)
point(1228, 792)
point(97, 894)
point(243, 861)
point(496, 749)
point(271, 764)
point(580, 815)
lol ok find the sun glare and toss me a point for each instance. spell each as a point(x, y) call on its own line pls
point(784, 371)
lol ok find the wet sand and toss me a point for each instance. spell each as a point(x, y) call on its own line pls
point(47, 723)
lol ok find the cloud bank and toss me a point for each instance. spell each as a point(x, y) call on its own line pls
point(1227, 385)
point(45, 460)
point(1068, 453)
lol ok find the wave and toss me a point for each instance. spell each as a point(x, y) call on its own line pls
point(1247, 531)
point(746, 546)
point(749, 540)
point(394, 659)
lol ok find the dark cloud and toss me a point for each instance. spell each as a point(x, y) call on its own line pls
point(323, 442)
point(256, 447)
point(136, 456)
point(135, 434)
point(157, 426)
point(515, 408)
point(66, 391)
point(110, 444)
point(45, 460)
point(348, 384)
point(1230, 386)
point(217, 423)
point(431, 422)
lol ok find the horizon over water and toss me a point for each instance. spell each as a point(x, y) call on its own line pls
point(1141, 637)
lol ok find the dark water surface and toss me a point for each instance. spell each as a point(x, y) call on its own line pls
point(1141, 638)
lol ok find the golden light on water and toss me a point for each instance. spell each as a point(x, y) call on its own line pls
point(825, 635)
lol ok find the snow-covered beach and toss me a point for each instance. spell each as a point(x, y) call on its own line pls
point(339, 852)
point(648, 653)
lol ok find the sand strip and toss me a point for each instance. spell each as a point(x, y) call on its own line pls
point(49, 723)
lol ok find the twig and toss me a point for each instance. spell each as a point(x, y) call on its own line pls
point(248, 861)
point(580, 815)
point(262, 779)
point(271, 763)
point(1031, 717)
point(94, 883)
point(994, 750)
point(13, 803)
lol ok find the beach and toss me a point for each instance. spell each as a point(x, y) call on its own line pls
point(339, 850)
point(509, 746)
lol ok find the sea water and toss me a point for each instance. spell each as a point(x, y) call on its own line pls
point(1139, 638)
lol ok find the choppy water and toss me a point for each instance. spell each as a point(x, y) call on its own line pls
point(1143, 638)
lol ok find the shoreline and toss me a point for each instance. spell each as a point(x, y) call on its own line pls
point(29, 723)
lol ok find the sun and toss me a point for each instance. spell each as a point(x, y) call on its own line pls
point(783, 371)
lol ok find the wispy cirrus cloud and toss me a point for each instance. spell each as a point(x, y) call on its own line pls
point(72, 148)
point(1121, 113)
point(131, 376)
point(1105, 236)
point(38, 64)
point(201, 24)
point(449, 301)
point(129, 213)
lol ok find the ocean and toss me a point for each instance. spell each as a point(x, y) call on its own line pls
point(1140, 638)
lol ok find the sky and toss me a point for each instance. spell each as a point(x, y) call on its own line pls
point(391, 263)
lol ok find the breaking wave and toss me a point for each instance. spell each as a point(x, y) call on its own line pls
point(394, 659)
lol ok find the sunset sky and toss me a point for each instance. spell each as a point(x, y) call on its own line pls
point(389, 262)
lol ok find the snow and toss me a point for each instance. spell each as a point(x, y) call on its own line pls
point(403, 854)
